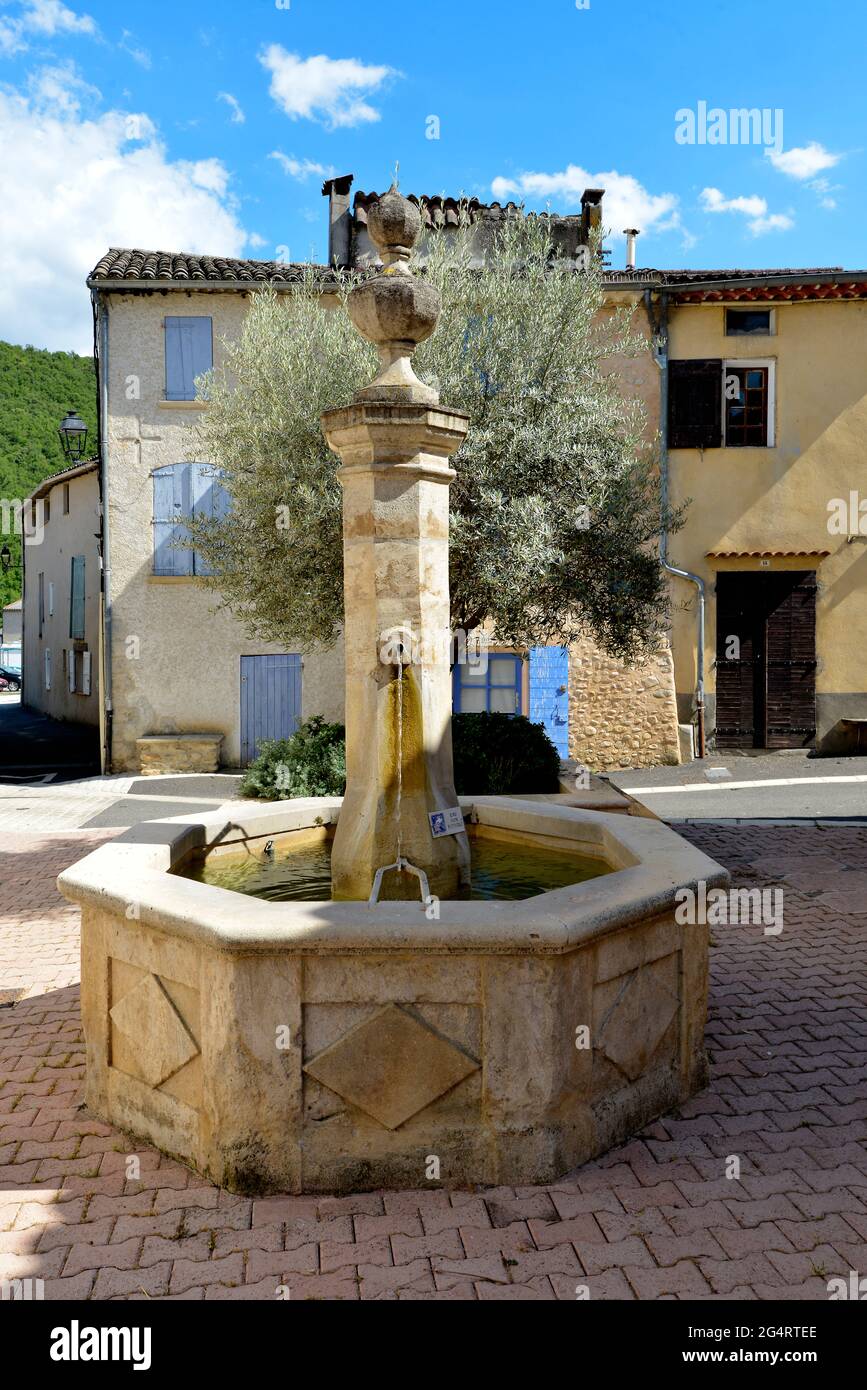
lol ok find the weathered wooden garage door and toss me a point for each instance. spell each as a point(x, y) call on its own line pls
point(766, 660)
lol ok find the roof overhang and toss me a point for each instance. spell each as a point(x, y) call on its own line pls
point(767, 554)
point(77, 470)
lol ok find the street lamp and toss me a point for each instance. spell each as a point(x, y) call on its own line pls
point(5, 558)
point(73, 436)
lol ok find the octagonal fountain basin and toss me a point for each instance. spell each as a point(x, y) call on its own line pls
point(293, 1045)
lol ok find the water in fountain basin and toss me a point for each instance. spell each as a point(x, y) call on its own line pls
point(500, 871)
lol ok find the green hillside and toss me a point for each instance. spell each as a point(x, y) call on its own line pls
point(36, 390)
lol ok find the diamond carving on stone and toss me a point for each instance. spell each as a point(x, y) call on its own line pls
point(636, 1022)
point(148, 1019)
point(391, 1066)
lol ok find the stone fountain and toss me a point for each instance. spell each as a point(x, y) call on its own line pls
point(394, 442)
point(355, 1043)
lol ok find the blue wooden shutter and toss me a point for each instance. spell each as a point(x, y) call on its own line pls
point(76, 598)
point(210, 499)
point(549, 694)
point(172, 507)
point(189, 353)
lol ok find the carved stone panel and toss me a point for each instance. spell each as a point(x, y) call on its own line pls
point(391, 1066)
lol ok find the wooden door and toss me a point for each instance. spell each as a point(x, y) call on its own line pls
point(766, 660)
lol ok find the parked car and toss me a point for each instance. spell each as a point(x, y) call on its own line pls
point(10, 681)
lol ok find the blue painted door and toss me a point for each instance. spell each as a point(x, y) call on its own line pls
point(549, 694)
point(270, 700)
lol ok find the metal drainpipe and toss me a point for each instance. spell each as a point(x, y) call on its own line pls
point(100, 343)
point(660, 329)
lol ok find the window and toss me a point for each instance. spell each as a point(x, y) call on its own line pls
point(749, 322)
point(46, 516)
point(746, 406)
point(76, 598)
point(41, 604)
point(66, 499)
point(714, 404)
point(183, 491)
point(50, 600)
point(497, 689)
point(189, 353)
point(47, 668)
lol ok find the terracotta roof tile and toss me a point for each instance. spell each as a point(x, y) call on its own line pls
point(438, 211)
point(154, 267)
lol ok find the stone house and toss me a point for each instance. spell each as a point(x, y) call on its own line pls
point(62, 625)
point(10, 632)
point(763, 425)
point(160, 319)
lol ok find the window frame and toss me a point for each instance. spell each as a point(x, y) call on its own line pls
point(458, 686)
point(746, 363)
point(735, 309)
point(77, 562)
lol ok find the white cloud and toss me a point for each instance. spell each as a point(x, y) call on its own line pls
point(44, 18)
point(753, 207)
point(301, 169)
point(78, 180)
point(627, 203)
point(238, 117)
point(331, 91)
point(129, 44)
point(803, 162)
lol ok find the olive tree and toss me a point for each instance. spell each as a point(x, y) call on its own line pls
point(555, 506)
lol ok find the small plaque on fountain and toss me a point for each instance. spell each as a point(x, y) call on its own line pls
point(450, 822)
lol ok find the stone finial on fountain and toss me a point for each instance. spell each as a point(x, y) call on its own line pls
point(394, 309)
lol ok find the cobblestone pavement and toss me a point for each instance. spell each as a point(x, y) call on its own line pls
point(656, 1218)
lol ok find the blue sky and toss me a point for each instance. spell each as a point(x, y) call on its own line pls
point(209, 127)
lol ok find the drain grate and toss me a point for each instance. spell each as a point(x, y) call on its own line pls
point(8, 997)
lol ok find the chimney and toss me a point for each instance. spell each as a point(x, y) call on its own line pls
point(591, 213)
point(630, 233)
point(339, 220)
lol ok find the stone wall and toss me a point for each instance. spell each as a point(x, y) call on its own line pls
point(619, 715)
point(179, 753)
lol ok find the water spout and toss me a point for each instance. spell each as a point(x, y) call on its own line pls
point(403, 866)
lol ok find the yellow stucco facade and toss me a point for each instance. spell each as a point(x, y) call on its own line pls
point(776, 499)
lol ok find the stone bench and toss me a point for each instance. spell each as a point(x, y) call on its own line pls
point(178, 753)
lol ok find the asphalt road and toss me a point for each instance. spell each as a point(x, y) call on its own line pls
point(777, 786)
point(34, 747)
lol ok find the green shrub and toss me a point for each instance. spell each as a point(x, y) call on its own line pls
point(494, 754)
point(310, 763)
point(500, 753)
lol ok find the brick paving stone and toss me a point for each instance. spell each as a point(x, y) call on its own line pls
point(547, 1234)
point(377, 1280)
point(281, 1265)
point(508, 1240)
point(341, 1254)
point(655, 1218)
point(124, 1255)
point(187, 1274)
point(725, 1275)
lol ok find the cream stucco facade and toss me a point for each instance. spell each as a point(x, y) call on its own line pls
point(61, 640)
point(175, 655)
